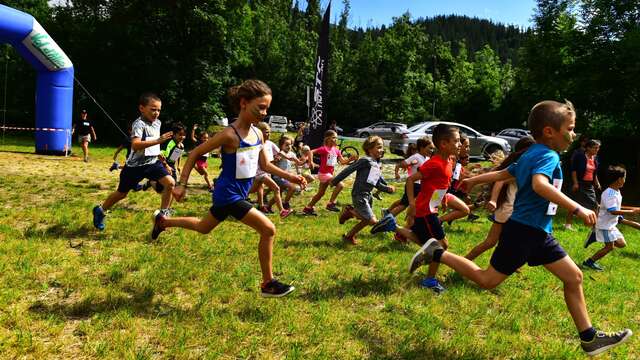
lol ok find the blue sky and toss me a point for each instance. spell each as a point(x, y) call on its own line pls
point(365, 13)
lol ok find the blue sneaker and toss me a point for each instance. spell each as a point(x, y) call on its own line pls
point(98, 217)
point(433, 285)
point(386, 224)
point(138, 187)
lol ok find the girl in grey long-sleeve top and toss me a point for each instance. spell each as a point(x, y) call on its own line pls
point(368, 176)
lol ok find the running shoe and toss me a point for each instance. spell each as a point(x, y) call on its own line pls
point(333, 207)
point(275, 289)
point(286, 212)
point(309, 211)
point(114, 166)
point(604, 341)
point(158, 219)
point(433, 284)
point(592, 265)
point(591, 238)
point(377, 195)
point(472, 217)
point(424, 256)
point(349, 239)
point(98, 217)
point(386, 224)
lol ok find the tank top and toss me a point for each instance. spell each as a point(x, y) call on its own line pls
point(238, 170)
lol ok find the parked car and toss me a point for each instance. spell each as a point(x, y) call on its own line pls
point(482, 146)
point(385, 130)
point(277, 123)
point(513, 135)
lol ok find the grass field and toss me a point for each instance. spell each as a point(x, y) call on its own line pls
point(189, 296)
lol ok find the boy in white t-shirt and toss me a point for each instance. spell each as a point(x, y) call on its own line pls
point(609, 215)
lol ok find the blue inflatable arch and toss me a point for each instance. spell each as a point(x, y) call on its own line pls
point(54, 83)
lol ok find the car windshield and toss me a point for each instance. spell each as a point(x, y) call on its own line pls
point(416, 127)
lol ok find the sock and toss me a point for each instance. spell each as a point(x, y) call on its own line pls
point(437, 255)
point(588, 334)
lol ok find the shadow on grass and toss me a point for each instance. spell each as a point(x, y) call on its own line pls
point(139, 302)
point(630, 255)
point(381, 348)
point(354, 287)
point(366, 244)
point(59, 231)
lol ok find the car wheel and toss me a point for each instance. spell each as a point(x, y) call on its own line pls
point(364, 134)
point(490, 150)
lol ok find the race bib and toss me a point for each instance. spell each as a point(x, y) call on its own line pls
point(374, 174)
point(456, 172)
point(552, 209)
point(176, 154)
point(332, 159)
point(436, 200)
point(247, 161)
point(152, 150)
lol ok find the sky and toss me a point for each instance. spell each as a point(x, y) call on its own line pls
point(369, 13)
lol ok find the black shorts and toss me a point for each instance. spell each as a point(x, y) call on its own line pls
point(458, 193)
point(237, 209)
point(405, 200)
point(131, 176)
point(520, 244)
point(428, 227)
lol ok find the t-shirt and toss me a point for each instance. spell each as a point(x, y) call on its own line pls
point(328, 158)
point(83, 127)
point(458, 171)
point(284, 163)
point(415, 161)
point(610, 200)
point(270, 149)
point(591, 168)
point(436, 176)
point(173, 152)
point(530, 208)
point(145, 131)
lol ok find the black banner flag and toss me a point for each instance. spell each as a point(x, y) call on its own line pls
point(318, 120)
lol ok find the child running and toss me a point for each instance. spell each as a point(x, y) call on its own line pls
point(283, 161)
point(330, 156)
point(306, 158)
point(526, 237)
point(503, 194)
point(175, 148)
point(242, 151)
point(610, 213)
point(368, 177)
point(202, 162)
point(143, 161)
point(263, 178)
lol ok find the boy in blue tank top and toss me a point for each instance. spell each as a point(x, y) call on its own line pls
point(526, 236)
point(241, 153)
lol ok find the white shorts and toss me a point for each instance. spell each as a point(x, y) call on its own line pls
point(83, 138)
point(608, 235)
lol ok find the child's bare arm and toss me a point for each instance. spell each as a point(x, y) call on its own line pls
point(115, 156)
point(633, 224)
point(495, 193)
point(489, 177)
point(540, 184)
point(138, 144)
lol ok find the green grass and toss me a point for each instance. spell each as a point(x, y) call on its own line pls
point(118, 295)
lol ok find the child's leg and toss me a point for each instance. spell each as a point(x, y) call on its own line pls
point(167, 191)
point(433, 267)
point(267, 231)
point(460, 209)
point(568, 222)
point(336, 192)
point(486, 279)
point(396, 209)
point(205, 174)
point(358, 227)
point(607, 248)
point(203, 225)
point(488, 243)
point(291, 189)
point(85, 149)
point(571, 276)
point(321, 190)
point(112, 199)
point(268, 182)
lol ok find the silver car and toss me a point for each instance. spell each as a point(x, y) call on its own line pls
point(385, 130)
point(482, 146)
point(513, 135)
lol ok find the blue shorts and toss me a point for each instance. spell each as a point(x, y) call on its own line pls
point(428, 227)
point(520, 244)
point(405, 200)
point(131, 176)
point(282, 183)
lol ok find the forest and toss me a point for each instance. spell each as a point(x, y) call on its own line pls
point(469, 70)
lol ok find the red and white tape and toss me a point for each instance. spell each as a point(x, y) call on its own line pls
point(31, 129)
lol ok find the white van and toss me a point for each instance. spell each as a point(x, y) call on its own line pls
point(277, 123)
